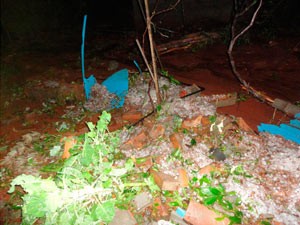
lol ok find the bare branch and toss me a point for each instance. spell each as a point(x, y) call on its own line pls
point(172, 7)
point(234, 38)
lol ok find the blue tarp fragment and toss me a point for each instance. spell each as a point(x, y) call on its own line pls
point(289, 131)
point(117, 84)
point(89, 82)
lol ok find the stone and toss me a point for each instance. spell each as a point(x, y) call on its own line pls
point(228, 100)
point(176, 219)
point(142, 201)
point(123, 217)
point(165, 182)
point(198, 214)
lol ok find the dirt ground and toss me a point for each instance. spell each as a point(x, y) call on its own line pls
point(38, 85)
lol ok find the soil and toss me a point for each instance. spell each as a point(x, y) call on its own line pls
point(39, 85)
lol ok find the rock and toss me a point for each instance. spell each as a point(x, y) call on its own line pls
point(177, 219)
point(123, 217)
point(217, 154)
point(198, 214)
point(142, 201)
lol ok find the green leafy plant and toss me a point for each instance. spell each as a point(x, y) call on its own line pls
point(88, 187)
point(211, 193)
point(170, 77)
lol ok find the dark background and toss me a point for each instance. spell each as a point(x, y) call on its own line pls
point(41, 20)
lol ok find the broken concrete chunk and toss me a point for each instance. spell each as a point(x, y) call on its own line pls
point(286, 107)
point(227, 100)
point(123, 217)
point(177, 219)
point(142, 201)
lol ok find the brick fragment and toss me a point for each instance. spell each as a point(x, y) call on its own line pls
point(165, 182)
point(157, 131)
point(198, 214)
point(137, 142)
point(176, 140)
point(191, 123)
point(183, 177)
point(132, 116)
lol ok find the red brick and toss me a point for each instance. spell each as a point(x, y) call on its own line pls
point(198, 214)
point(157, 131)
point(137, 142)
point(165, 182)
point(132, 116)
point(183, 177)
point(193, 122)
point(144, 163)
point(243, 125)
point(159, 210)
point(176, 140)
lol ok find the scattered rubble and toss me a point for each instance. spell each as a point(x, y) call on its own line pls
point(186, 136)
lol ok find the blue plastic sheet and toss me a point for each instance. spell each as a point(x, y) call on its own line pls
point(117, 84)
point(89, 82)
point(289, 131)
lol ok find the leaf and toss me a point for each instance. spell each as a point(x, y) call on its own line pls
point(104, 212)
point(103, 122)
point(118, 172)
point(210, 200)
point(174, 203)
point(87, 154)
point(35, 205)
point(214, 191)
point(55, 150)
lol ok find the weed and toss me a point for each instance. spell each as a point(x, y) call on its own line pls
point(88, 186)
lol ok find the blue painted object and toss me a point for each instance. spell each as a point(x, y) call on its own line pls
point(297, 116)
point(137, 66)
point(117, 84)
point(180, 212)
point(89, 82)
point(288, 131)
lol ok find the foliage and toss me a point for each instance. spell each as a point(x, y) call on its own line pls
point(88, 186)
point(211, 193)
